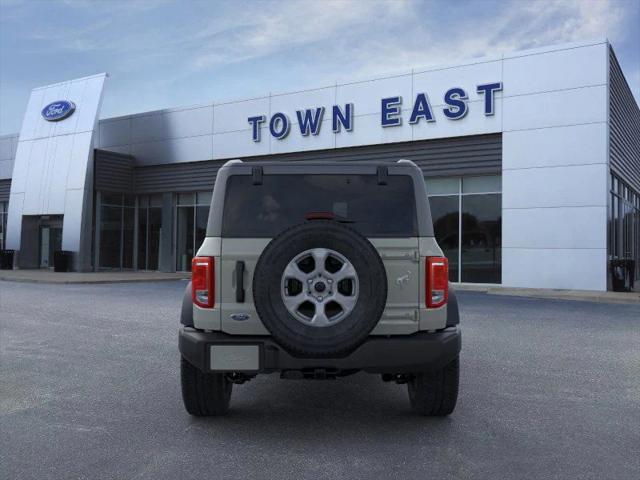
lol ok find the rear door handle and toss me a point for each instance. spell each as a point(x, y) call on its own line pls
point(240, 281)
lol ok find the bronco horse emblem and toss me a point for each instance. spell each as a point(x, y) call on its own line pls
point(404, 279)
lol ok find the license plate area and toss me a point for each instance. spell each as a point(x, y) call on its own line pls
point(234, 358)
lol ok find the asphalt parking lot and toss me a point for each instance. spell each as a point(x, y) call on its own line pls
point(89, 388)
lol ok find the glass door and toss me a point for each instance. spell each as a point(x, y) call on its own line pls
point(44, 247)
point(50, 242)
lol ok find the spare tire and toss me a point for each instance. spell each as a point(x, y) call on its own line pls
point(320, 288)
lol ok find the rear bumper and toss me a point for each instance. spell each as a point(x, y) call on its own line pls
point(421, 351)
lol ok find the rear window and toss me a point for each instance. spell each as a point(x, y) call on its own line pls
point(282, 201)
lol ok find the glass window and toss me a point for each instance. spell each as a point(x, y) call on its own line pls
point(442, 186)
point(116, 231)
point(3, 223)
point(154, 235)
point(204, 198)
point(110, 236)
point(185, 198)
point(483, 184)
point(481, 246)
point(128, 229)
point(446, 222)
point(155, 200)
point(149, 231)
point(624, 230)
point(111, 198)
point(185, 238)
point(142, 234)
point(191, 226)
point(468, 226)
point(285, 200)
point(202, 215)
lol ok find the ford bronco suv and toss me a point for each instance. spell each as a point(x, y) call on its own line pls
point(317, 271)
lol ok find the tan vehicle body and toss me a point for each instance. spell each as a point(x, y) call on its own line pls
point(404, 261)
point(315, 271)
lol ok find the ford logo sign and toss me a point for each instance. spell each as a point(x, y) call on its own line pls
point(240, 317)
point(56, 111)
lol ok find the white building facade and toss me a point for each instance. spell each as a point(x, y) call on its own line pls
point(532, 161)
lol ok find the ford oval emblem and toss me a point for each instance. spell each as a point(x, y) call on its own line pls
point(56, 111)
point(240, 317)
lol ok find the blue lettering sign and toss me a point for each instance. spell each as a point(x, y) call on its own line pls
point(342, 118)
point(279, 125)
point(488, 90)
point(255, 126)
point(310, 122)
point(456, 98)
point(339, 119)
point(421, 109)
point(390, 114)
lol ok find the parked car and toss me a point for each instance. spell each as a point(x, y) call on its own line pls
point(319, 271)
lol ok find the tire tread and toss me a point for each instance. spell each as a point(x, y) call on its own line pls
point(435, 394)
point(204, 394)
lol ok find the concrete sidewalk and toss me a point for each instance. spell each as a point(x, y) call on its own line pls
point(580, 295)
point(49, 276)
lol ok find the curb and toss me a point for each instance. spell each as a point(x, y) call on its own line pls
point(629, 298)
point(90, 282)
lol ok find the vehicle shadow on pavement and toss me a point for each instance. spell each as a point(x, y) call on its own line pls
point(322, 407)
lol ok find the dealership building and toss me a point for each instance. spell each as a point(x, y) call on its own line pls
point(532, 164)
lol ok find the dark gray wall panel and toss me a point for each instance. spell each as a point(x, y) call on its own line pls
point(177, 177)
point(5, 189)
point(472, 155)
point(113, 172)
point(624, 126)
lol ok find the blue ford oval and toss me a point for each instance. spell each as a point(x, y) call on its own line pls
point(59, 110)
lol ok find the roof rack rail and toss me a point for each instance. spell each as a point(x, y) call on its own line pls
point(235, 161)
point(404, 160)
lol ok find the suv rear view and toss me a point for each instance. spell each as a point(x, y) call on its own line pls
point(317, 271)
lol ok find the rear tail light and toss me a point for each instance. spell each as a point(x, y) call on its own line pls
point(437, 281)
point(203, 281)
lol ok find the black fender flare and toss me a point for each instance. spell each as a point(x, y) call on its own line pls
point(453, 312)
point(186, 315)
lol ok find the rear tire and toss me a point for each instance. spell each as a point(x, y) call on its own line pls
point(434, 394)
point(204, 394)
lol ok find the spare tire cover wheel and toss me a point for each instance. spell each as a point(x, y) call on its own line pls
point(320, 288)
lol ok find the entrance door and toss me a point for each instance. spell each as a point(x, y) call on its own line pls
point(50, 241)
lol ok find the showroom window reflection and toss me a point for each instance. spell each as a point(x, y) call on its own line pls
point(191, 226)
point(149, 231)
point(467, 221)
point(3, 223)
point(624, 225)
point(117, 230)
point(129, 227)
